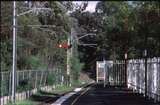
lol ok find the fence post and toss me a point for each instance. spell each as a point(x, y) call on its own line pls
point(41, 78)
point(10, 84)
point(126, 69)
point(104, 61)
point(35, 85)
point(2, 87)
point(145, 53)
point(97, 72)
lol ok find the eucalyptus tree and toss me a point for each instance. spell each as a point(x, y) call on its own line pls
point(146, 16)
point(115, 17)
point(126, 25)
point(35, 42)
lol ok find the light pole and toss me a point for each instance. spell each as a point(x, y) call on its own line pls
point(68, 60)
point(14, 53)
point(15, 15)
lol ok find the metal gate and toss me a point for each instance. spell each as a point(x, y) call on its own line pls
point(100, 71)
point(112, 72)
point(131, 73)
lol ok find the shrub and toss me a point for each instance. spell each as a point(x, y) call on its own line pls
point(76, 67)
point(34, 62)
point(51, 79)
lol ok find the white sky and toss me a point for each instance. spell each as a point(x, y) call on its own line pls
point(91, 5)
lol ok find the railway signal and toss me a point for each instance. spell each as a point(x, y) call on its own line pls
point(64, 45)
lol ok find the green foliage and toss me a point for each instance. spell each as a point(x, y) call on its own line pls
point(62, 89)
point(24, 87)
point(36, 46)
point(4, 91)
point(51, 78)
point(76, 67)
point(34, 62)
point(24, 102)
point(121, 27)
point(126, 26)
point(6, 55)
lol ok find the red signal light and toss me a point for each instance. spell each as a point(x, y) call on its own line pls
point(64, 45)
point(60, 46)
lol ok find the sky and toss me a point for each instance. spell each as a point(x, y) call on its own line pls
point(91, 5)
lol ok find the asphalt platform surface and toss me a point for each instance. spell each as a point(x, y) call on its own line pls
point(110, 95)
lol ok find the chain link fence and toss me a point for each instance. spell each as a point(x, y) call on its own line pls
point(28, 82)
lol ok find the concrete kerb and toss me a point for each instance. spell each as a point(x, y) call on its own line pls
point(65, 97)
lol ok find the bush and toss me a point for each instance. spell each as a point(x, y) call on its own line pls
point(76, 67)
point(35, 62)
point(51, 79)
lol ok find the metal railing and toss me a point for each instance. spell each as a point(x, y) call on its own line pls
point(132, 73)
point(136, 76)
point(116, 72)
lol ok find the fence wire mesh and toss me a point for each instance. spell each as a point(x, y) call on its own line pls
point(28, 81)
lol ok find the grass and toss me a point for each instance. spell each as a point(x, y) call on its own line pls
point(24, 102)
point(62, 89)
point(59, 90)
